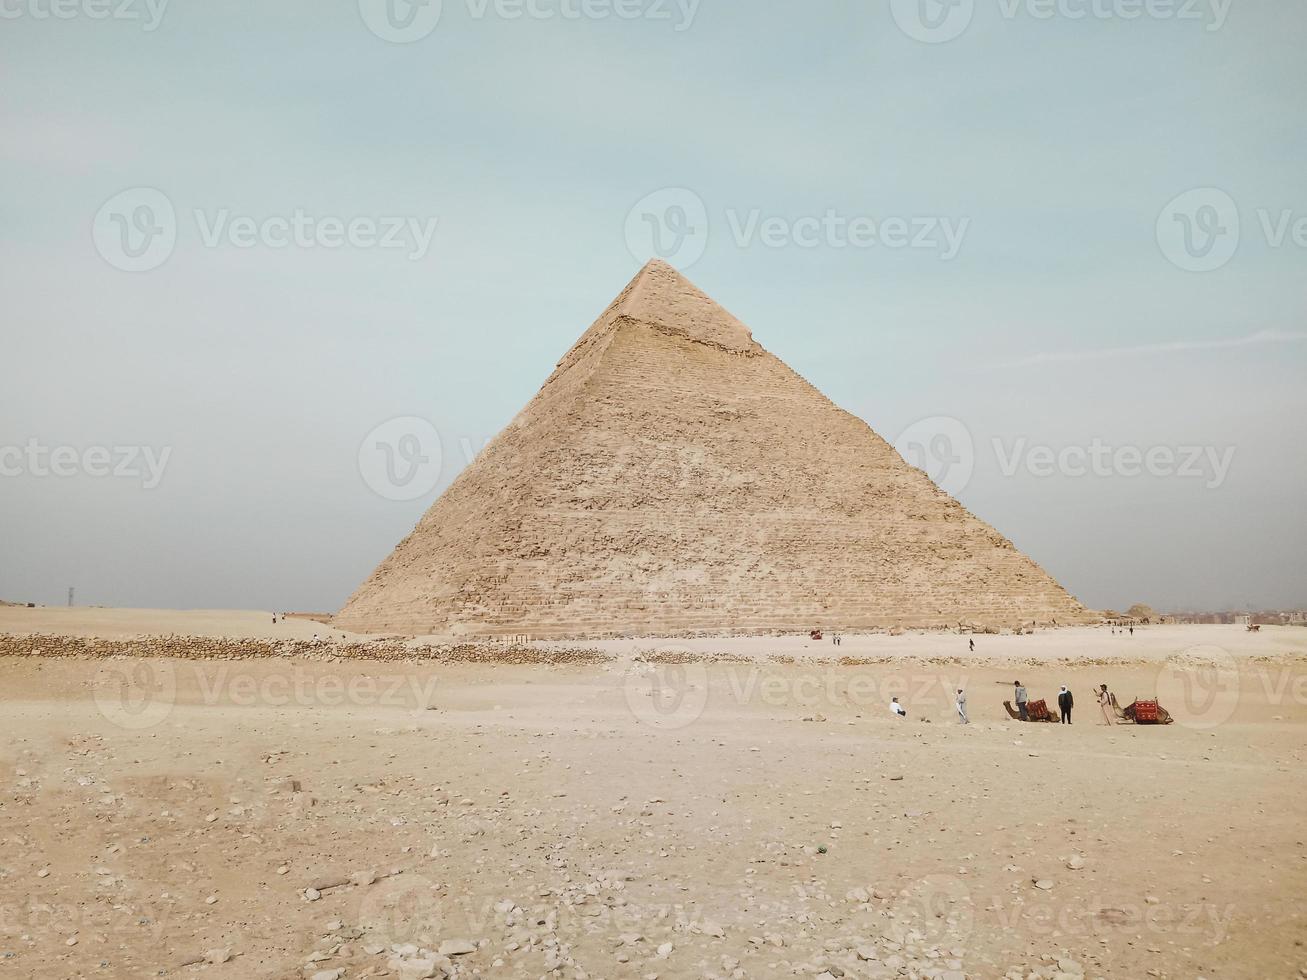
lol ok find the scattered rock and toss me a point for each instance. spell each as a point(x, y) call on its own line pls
point(457, 947)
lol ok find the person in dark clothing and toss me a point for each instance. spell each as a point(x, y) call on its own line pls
point(973, 645)
point(1065, 702)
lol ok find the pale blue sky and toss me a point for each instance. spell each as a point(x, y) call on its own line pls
point(1058, 141)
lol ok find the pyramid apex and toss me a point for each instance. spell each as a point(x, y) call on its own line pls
point(660, 296)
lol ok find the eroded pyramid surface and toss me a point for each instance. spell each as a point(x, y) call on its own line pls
point(672, 476)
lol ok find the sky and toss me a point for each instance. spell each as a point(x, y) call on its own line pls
point(272, 273)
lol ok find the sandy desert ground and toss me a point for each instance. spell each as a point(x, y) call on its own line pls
point(759, 815)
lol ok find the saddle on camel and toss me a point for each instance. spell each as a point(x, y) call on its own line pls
point(1035, 711)
point(1143, 712)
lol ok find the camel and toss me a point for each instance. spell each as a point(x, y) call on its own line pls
point(1035, 711)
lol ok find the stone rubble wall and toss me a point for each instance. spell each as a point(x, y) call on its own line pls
point(220, 648)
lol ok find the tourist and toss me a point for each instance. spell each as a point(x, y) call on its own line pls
point(1021, 698)
point(962, 708)
point(972, 644)
point(1065, 703)
point(897, 708)
point(1105, 703)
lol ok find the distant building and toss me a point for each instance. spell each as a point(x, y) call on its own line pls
point(1242, 619)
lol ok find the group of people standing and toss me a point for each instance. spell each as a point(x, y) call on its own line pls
point(1065, 702)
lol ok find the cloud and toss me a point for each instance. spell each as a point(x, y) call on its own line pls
point(1259, 339)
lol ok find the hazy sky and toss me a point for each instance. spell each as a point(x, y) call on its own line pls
point(220, 276)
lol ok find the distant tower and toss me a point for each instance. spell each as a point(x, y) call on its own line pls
point(70, 595)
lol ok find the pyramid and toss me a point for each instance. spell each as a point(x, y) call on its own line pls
point(673, 477)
